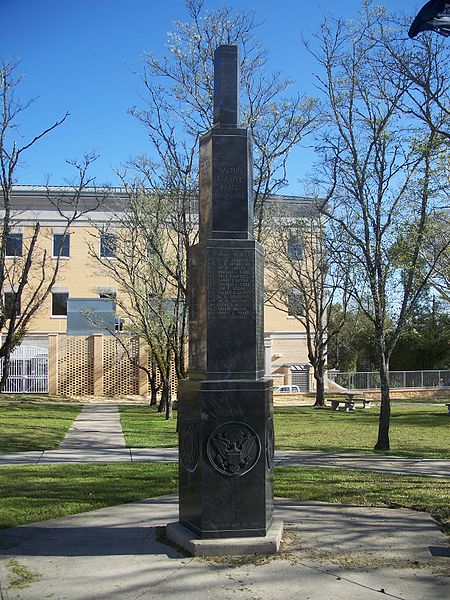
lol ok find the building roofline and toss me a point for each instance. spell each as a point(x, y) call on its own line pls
point(41, 190)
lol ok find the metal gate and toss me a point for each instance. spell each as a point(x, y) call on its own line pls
point(28, 373)
point(300, 377)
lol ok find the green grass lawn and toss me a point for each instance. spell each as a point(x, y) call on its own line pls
point(416, 430)
point(421, 400)
point(144, 427)
point(37, 493)
point(29, 426)
point(30, 494)
point(367, 488)
point(39, 398)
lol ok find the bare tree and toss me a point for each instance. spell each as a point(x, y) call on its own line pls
point(179, 99)
point(380, 163)
point(149, 271)
point(424, 62)
point(27, 272)
point(305, 279)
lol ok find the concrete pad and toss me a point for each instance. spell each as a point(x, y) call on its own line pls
point(269, 544)
point(154, 455)
point(329, 552)
point(20, 458)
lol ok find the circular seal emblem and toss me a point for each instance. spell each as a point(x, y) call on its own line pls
point(233, 448)
point(270, 444)
point(189, 445)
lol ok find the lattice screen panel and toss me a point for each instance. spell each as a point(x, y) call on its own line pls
point(75, 366)
point(120, 371)
point(173, 380)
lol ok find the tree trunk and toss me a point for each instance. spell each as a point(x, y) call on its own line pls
point(164, 396)
point(6, 362)
point(168, 404)
point(169, 412)
point(154, 387)
point(320, 387)
point(385, 410)
point(165, 404)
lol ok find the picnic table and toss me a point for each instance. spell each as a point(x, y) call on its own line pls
point(348, 400)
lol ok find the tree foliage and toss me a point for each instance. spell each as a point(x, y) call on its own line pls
point(179, 100)
point(379, 172)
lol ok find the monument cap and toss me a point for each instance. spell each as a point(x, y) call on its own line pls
point(226, 86)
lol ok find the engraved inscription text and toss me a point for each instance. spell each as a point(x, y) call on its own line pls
point(231, 284)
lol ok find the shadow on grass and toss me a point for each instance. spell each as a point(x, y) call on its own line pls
point(366, 488)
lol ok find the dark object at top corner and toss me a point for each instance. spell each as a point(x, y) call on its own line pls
point(433, 16)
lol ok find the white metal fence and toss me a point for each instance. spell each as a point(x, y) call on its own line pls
point(28, 373)
point(397, 379)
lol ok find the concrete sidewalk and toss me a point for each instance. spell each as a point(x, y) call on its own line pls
point(433, 467)
point(96, 436)
point(291, 458)
point(329, 552)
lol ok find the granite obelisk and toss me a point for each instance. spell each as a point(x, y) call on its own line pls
point(225, 418)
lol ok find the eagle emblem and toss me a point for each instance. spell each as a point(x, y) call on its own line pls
point(233, 448)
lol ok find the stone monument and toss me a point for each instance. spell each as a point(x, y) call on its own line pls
point(225, 415)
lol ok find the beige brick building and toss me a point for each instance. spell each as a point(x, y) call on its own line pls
point(80, 275)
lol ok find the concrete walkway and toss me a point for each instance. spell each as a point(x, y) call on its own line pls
point(329, 552)
point(433, 467)
point(96, 436)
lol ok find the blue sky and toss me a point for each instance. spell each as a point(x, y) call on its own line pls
point(79, 56)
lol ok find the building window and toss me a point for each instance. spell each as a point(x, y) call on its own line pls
point(8, 302)
point(294, 248)
point(14, 244)
point(107, 245)
point(295, 304)
point(61, 244)
point(59, 304)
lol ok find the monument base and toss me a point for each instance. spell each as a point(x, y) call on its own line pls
point(226, 457)
point(238, 546)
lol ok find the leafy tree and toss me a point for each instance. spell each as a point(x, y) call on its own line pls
point(380, 163)
point(353, 346)
point(425, 342)
point(436, 253)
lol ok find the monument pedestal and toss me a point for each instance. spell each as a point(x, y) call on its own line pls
point(226, 455)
